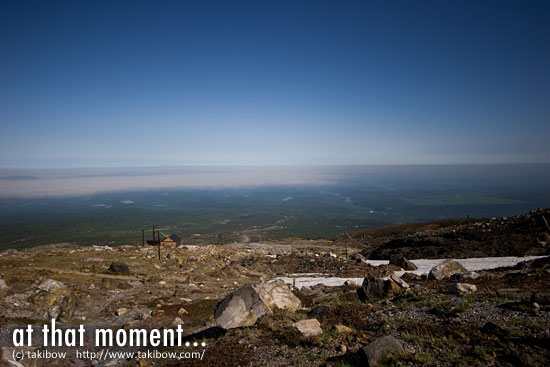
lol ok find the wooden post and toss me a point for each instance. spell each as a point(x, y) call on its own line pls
point(153, 233)
point(467, 221)
point(158, 242)
point(346, 243)
point(142, 237)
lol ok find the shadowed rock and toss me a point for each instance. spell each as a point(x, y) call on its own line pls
point(373, 288)
point(246, 305)
point(119, 267)
point(242, 307)
point(379, 348)
point(402, 262)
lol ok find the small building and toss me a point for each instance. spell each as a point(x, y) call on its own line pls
point(152, 241)
point(173, 240)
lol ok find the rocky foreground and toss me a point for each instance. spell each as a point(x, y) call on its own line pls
point(229, 298)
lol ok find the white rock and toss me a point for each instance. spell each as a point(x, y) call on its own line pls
point(310, 327)
point(462, 288)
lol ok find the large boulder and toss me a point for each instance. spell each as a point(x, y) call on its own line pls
point(445, 269)
point(119, 267)
point(242, 307)
point(277, 295)
point(54, 300)
point(379, 348)
point(246, 305)
point(402, 262)
point(309, 327)
point(373, 288)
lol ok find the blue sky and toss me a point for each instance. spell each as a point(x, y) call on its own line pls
point(137, 83)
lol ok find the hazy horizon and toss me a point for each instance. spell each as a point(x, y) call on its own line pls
point(36, 183)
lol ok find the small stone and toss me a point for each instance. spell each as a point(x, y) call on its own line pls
point(177, 321)
point(402, 262)
point(121, 311)
point(399, 281)
point(462, 288)
point(119, 267)
point(3, 284)
point(157, 312)
point(351, 283)
point(342, 328)
point(536, 306)
point(309, 327)
point(343, 348)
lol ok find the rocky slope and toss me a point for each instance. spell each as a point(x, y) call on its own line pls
point(527, 234)
point(453, 317)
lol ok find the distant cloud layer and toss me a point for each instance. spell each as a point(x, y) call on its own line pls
point(14, 183)
point(68, 182)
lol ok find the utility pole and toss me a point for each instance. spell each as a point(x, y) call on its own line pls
point(158, 242)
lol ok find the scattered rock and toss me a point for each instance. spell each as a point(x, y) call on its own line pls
point(379, 348)
point(278, 295)
point(54, 300)
point(121, 311)
point(3, 285)
point(462, 288)
point(351, 283)
point(399, 281)
point(358, 258)
point(317, 311)
point(157, 312)
point(410, 276)
point(446, 269)
point(242, 307)
point(119, 267)
point(371, 288)
point(377, 288)
point(177, 321)
point(402, 262)
point(310, 327)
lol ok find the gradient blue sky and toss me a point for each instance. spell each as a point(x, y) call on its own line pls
point(133, 83)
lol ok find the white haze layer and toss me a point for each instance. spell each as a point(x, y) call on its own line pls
point(36, 183)
point(63, 183)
